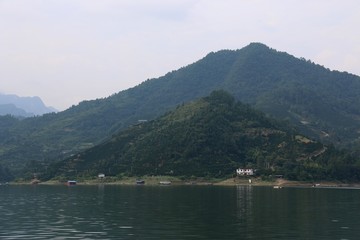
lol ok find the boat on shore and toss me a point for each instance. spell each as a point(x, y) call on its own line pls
point(140, 182)
point(71, 183)
point(165, 183)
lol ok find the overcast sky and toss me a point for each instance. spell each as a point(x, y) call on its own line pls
point(66, 51)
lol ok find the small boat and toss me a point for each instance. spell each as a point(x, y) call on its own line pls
point(277, 187)
point(164, 182)
point(140, 182)
point(71, 183)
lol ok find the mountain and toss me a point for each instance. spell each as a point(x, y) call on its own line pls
point(322, 104)
point(210, 137)
point(22, 106)
point(11, 109)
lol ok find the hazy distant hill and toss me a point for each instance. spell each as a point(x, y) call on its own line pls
point(22, 106)
point(211, 137)
point(11, 109)
point(323, 104)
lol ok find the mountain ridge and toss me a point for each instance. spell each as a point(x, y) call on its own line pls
point(321, 103)
point(23, 106)
point(210, 137)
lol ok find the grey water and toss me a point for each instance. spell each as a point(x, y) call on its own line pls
point(178, 212)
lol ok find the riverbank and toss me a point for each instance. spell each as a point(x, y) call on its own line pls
point(156, 180)
point(287, 183)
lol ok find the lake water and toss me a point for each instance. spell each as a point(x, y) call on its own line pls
point(178, 212)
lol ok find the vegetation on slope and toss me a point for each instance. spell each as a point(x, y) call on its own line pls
point(210, 137)
point(323, 104)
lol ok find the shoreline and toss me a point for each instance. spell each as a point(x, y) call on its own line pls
point(155, 180)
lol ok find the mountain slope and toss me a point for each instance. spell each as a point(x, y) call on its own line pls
point(210, 137)
point(321, 103)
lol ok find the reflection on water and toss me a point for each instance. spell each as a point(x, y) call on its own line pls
point(244, 203)
point(177, 212)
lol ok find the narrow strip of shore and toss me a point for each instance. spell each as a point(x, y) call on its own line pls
point(158, 180)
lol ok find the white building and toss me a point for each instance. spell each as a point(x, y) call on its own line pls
point(101, 175)
point(245, 171)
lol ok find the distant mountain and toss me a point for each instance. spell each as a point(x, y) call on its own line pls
point(321, 103)
point(211, 137)
point(11, 109)
point(22, 106)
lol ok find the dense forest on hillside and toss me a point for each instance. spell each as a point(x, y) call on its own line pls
point(5, 174)
point(210, 137)
point(322, 104)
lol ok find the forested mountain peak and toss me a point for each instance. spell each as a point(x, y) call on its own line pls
point(321, 103)
point(210, 137)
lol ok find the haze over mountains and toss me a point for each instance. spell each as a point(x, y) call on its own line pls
point(322, 104)
point(22, 106)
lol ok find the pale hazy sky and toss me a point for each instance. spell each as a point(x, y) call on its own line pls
point(66, 51)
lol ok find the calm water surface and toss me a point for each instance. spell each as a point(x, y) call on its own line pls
point(178, 212)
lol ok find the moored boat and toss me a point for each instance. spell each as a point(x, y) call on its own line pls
point(71, 183)
point(164, 182)
point(140, 182)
